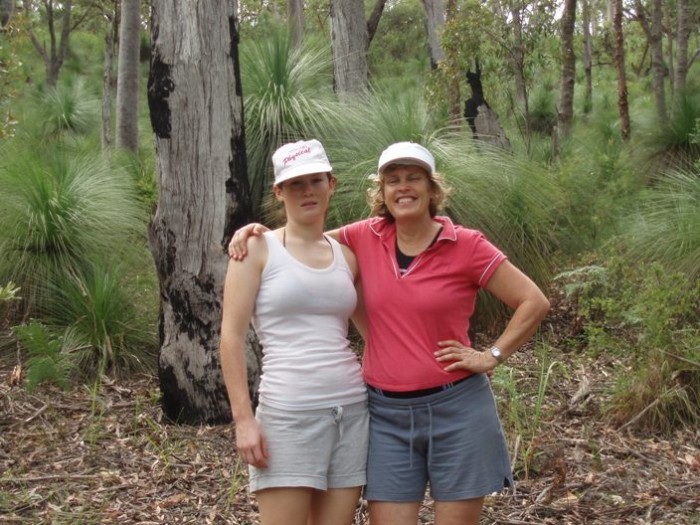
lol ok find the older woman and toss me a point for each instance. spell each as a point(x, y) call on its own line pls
point(433, 418)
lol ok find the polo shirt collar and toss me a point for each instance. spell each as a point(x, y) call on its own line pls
point(384, 229)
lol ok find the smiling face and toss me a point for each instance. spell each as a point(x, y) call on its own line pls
point(407, 191)
point(306, 197)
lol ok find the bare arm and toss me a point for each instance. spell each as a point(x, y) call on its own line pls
point(240, 292)
point(530, 307)
point(238, 246)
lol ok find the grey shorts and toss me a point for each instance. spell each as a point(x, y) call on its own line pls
point(451, 440)
point(321, 449)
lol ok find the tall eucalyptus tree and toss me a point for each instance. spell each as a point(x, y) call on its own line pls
point(128, 76)
point(622, 102)
point(349, 41)
point(195, 101)
point(568, 69)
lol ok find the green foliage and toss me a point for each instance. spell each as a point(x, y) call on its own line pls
point(8, 295)
point(287, 97)
point(57, 210)
point(648, 317)
point(665, 224)
point(671, 144)
point(522, 413)
point(99, 309)
point(543, 108)
point(67, 107)
point(49, 361)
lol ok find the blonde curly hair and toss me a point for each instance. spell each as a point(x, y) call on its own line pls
point(439, 189)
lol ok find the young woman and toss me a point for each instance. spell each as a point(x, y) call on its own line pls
point(433, 418)
point(306, 445)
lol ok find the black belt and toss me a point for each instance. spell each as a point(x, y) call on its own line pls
point(416, 393)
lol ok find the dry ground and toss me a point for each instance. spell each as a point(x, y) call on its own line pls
point(104, 455)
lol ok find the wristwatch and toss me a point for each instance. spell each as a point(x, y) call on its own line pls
point(497, 354)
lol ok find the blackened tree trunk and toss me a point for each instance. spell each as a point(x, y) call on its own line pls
point(349, 45)
point(587, 55)
point(621, 74)
point(374, 18)
point(295, 19)
point(111, 37)
point(128, 76)
point(518, 58)
point(482, 120)
point(7, 8)
point(568, 69)
point(196, 108)
point(435, 19)
point(55, 54)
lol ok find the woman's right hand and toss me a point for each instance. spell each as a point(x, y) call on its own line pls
point(251, 444)
point(238, 247)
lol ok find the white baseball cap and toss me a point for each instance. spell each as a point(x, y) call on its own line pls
point(408, 153)
point(299, 158)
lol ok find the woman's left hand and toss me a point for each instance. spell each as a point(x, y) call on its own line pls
point(464, 357)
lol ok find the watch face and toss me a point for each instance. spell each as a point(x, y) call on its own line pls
point(496, 352)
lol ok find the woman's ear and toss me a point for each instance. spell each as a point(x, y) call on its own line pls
point(277, 190)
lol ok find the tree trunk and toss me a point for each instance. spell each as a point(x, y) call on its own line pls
point(108, 77)
point(196, 108)
point(621, 75)
point(518, 57)
point(295, 18)
point(482, 120)
point(373, 21)
point(349, 45)
point(587, 55)
point(568, 69)
point(435, 19)
point(657, 61)
point(128, 76)
point(671, 68)
point(682, 34)
point(7, 8)
point(54, 56)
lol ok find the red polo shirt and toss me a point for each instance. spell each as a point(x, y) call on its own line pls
point(433, 301)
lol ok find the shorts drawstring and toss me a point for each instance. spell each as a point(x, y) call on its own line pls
point(410, 444)
point(430, 434)
point(338, 419)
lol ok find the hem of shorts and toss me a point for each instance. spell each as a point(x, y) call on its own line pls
point(345, 482)
point(458, 496)
point(455, 496)
point(308, 482)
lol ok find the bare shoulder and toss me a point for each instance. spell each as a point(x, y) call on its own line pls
point(350, 259)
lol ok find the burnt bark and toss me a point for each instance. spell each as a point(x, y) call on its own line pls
point(682, 35)
point(374, 18)
point(7, 8)
point(482, 120)
point(196, 108)
point(657, 61)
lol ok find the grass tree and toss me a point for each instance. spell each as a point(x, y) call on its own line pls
point(58, 209)
point(287, 97)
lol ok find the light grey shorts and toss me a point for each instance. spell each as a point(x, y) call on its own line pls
point(321, 449)
point(452, 440)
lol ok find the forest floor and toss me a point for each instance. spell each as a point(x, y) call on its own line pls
point(104, 455)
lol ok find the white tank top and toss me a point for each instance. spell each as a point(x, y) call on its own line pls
point(301, 318)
